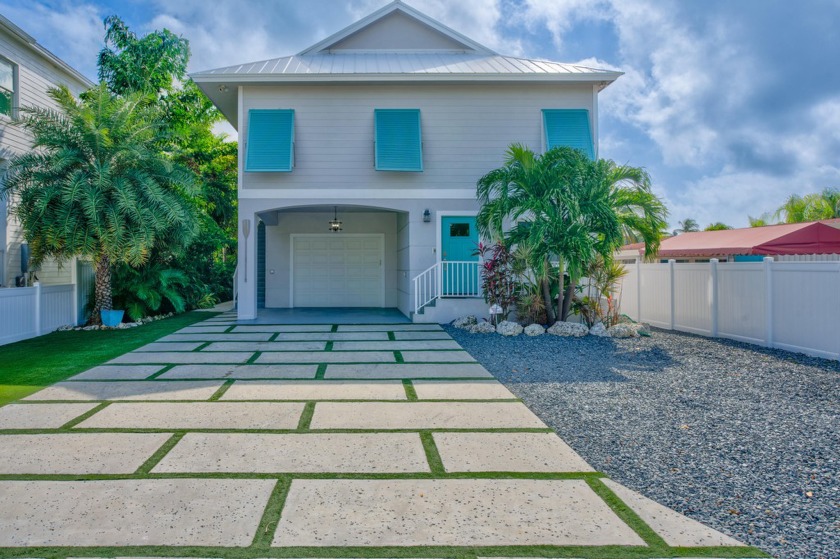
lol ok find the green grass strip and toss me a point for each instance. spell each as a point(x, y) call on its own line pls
point(274, 336)
point(321, 372)
point(626, 514)
point(155, 458)
point(432, 454)
point(202, 346)
point(410, 391)
point(253, 359)
point(306, 416)
point(334, 328)
point(73, 422)
point(392, 337)
point(30, 365)
point(399, 357)
point(329, 346)
point(259, 549)
point(221, 391)
point(271, 515)
point(163, 371)
point(229, 329)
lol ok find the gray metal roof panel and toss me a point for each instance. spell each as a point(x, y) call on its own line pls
point(400, 63)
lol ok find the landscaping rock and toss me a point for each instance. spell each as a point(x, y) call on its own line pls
point(624, 331)
point(465, 322)
point(482, 328)
point(568, 329)
point(534, 330)
point(507, 328)
point(599, 330)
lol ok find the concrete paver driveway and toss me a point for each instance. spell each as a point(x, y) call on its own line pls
point(295, 441)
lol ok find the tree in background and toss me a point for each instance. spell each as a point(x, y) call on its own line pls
point(718, 226)
point(687, 225)
point(811, 207)
point(156, 64)
point(98, 185)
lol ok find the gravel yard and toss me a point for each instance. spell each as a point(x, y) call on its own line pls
point(744, 439)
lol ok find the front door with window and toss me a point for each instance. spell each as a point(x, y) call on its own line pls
point(459, 243)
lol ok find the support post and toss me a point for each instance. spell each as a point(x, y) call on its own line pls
point(37, 286)
point(768, 305)
point(673, 294)
point(638, 290)
point(713, 265)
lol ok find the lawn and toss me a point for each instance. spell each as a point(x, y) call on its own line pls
point(28, 366)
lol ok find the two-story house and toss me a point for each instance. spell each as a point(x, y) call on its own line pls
point(27, 72)
point(359, 157)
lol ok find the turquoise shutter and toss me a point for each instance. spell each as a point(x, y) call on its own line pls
point(399, 144)
point(568, 127)
point(270, 140)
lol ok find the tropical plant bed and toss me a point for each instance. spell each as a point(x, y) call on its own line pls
point(120, 326)
point(624, 329)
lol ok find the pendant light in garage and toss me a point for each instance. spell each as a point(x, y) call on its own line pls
point(335, 224)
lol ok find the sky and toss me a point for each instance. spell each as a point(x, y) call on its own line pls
point(731, 105)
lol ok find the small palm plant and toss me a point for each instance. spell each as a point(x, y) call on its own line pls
point(98, 184)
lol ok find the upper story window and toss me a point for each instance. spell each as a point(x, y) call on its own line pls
point(271, 140)
point(399, 143)
point(568, 127)
point(7, 87)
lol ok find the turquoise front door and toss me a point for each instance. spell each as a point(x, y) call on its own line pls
point(459, 242)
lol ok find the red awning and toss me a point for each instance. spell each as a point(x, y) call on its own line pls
point(794, 238)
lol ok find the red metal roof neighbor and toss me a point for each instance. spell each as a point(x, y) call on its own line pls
point(790, 238)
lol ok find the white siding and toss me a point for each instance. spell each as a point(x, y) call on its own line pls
point(466, 130)
point(36, 75)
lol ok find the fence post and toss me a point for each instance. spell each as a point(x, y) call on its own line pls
point(713, 265)
point(673, 295)
point(768, 300)
point(37, 286)
point(638, 290)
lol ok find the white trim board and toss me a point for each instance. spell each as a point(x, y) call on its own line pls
point(359, 194)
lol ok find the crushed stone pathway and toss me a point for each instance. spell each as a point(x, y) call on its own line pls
point(296, 441)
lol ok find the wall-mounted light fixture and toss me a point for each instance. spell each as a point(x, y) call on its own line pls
point(223, 88)
point(335, 224)
point(427, 216)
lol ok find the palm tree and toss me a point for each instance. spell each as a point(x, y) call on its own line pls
point(811, 207)
point(718, 226)
point(98, 185)
point(562, 207)
point(687, 225)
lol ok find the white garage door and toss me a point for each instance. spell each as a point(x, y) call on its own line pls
point(337, 271)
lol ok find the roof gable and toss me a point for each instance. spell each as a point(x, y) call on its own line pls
point(397, 28)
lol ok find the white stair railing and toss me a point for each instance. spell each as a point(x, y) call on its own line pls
point(447, 279)
point(427, 287)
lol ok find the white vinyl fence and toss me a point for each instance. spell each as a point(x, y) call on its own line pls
point(787, 305)
point(26, 312)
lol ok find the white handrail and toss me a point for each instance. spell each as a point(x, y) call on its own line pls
point(447, 279)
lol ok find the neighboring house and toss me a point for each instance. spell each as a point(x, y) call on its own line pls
point(384, 127)
point(27, 71)
point(815, 240)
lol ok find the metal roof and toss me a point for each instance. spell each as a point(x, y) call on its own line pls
point(813, 237)
point(406, 64)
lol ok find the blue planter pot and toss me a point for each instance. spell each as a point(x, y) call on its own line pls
point(111, 319)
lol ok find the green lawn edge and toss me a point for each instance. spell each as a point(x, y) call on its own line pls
point(30, 365)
